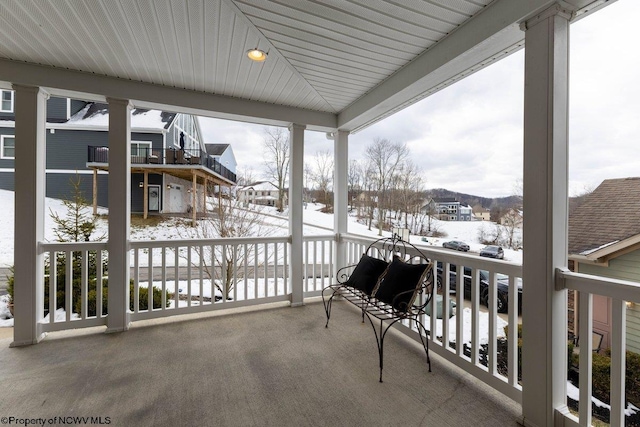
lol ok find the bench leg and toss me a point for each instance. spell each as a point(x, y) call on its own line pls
point(327, 305)
point(380, 338)
point(424, 339)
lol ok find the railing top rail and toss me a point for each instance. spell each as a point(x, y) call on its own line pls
point(468, 260)
point(71, 246)
point(141, 244)
point(613, 288)
point(318, 238)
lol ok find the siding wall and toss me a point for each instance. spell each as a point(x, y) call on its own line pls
point(67, 152)
point(137, 193)
point(57, 110)
point(625, 267)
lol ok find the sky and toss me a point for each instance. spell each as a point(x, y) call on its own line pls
point(469, 137)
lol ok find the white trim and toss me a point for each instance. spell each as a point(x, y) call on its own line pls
point(13, 101)
point(83, 85)
point(64, 126)
point(68, 108)
point(2, 138)
point(61, 171)
point(148, 144)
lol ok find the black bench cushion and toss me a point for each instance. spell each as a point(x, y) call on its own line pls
point(399, 278)
point(365, 276)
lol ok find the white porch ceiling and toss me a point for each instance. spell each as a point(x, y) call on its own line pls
point(335, 63)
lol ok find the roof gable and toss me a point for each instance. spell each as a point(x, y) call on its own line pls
point(608, 215)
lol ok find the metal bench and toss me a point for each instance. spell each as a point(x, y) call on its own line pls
point(392, 282)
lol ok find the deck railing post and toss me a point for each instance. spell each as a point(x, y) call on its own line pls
point(296, 162)
point(30, 136)
point(119, 213)
point(340, 194)
point(544, 313)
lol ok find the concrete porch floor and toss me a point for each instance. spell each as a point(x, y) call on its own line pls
point(272, 367)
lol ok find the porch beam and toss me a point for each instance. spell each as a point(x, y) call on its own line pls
point(340, 194)
point(83, 85)
point(296, 168)
point(545, 229)
point(30, 161)
point(119, 194)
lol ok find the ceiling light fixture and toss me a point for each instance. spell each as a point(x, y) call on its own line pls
point(257, 55)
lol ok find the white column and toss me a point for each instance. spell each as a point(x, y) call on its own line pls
point(30, 162)
point(119, 213)
point(544, 314)
point(340, 194)
point(296, 168)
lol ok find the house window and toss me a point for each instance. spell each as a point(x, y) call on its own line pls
point(7, 101)
point(7, 147)
point(140, 148)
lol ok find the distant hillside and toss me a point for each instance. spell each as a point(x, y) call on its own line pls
point(471, 200)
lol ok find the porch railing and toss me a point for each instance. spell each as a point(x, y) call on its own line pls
point(185, 276)
point(188, 276)
point(169, 156)
point(620, 292)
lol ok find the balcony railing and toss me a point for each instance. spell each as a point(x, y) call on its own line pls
point(188, 276)
point(169, 156)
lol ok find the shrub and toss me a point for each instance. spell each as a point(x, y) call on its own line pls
point(142, 296)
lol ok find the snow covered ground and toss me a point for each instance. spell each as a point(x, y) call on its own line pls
point(316, 223)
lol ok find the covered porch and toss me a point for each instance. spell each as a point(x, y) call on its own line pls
point(272, 366)
point(338, 100)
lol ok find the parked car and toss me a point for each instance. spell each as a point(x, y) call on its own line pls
point(456, 245)
point(492, 252)
point(502, 286)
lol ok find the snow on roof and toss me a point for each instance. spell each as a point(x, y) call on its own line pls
point(590, 251)
point(97, 114)
point(260, 185)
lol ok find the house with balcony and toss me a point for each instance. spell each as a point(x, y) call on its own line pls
point(312, 67)
point(162, 170)
point(448, 209)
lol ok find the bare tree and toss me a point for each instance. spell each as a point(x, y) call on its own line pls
point(276, 155)
point(221, 264)
point(385, 157)
point(323, 174)
point(308, 176)
point(369, 185)
point(354, 183)
point(409, 187)
point(246, 176)
point(512, 222)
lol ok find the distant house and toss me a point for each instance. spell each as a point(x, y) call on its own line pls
point(465, 213)
point(604, 243)
point(481, 213)
point(448, 209)
point(259, 193)
point(513, 217)
point(166, 147)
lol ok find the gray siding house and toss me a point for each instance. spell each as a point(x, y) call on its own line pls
point(602, 243)
point(166, 147)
